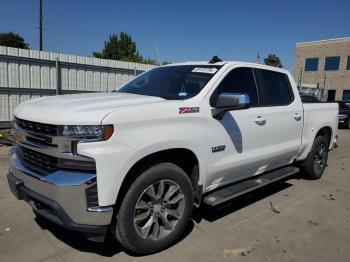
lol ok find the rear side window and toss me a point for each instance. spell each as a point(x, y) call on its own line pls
point(308, 98)
point(239, 80)
point(274, 88)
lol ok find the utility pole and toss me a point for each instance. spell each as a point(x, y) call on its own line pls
point(324, 86)
point(301, 79)
point(157, 51)
point(41, 25)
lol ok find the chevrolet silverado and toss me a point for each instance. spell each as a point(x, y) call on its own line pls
point(137, 160)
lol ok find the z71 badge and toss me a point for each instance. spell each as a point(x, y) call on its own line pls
point(186, 110)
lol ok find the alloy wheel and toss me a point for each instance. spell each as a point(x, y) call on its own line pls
point(158, 210)
point(320, 158)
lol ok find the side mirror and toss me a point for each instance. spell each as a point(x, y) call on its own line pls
point(229, 101)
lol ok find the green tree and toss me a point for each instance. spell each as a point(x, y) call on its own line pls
point(123, 48)
point(13, 40)
point(166, 62)
point(273, 60)
point(149, 61)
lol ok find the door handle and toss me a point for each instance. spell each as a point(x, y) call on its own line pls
point(297, 117)
point(260, 120)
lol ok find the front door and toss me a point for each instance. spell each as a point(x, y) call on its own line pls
point(236, 144)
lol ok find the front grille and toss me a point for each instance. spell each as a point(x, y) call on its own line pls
point(39, 162)
point(91, 196)
point(38, 128)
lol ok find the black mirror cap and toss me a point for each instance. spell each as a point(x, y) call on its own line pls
point(230, 101)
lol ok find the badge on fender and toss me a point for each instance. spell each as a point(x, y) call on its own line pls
point(186, 110)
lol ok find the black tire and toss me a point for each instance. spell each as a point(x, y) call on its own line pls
point(347, 124)
point(126, 231)
point(313, 165)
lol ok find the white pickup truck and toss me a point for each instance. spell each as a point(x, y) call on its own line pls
point(136, 161)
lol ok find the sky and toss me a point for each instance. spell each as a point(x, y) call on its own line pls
point(180, 30)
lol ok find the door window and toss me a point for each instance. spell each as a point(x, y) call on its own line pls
point(239, 80)
point(274, 88)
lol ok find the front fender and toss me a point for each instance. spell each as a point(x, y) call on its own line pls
point(113, 163)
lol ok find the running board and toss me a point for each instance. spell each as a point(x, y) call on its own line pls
point(240, 188)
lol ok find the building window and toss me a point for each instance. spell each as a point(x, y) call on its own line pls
point(332, 63)
point(348, 63)
point(311, 64)
point(331, 95)
point(346, 94)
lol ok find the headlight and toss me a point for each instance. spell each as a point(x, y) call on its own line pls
point(89, 132)
point(342, 116)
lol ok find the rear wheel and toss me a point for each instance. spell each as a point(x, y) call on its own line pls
point(316, 162)
point(155, 210)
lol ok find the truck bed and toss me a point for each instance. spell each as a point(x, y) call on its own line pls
point(317, 115)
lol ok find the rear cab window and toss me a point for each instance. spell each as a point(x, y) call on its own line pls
point(309, 99)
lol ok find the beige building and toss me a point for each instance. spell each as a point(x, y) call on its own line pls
point(323, 67)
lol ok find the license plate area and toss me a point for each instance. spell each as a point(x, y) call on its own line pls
point(15, 186)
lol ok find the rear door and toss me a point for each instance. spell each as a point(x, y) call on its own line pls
point(283, 116)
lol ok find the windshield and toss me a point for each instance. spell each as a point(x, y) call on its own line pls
point(171, 82)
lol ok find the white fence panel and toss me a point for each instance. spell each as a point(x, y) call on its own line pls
point(4, 108)
point(26, 74)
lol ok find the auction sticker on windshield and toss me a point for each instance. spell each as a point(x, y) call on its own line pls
point(206, 70)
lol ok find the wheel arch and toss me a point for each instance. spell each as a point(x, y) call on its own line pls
point(308, 139)
point(183, 157)
point(325, 131)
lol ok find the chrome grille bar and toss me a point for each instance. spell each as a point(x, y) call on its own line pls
point(38, 128)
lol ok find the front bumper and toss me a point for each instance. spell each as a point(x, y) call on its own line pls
point(60, 197)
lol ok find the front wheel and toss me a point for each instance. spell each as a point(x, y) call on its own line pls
point(315, 164)
point(155, 210)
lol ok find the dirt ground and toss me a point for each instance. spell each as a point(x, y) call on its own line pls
point(297, 220)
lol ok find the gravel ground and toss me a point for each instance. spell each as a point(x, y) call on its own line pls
point(296, 220)
point(6, 137)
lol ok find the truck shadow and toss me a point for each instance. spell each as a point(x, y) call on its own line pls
point(108, 248)
point(233, 130)
point(111, 246)
point(212, 214)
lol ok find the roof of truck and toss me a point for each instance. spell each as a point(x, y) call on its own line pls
point(239, 63)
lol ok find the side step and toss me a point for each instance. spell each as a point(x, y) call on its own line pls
point(240, 188)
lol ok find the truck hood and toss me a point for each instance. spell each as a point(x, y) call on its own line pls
point(83, 109)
